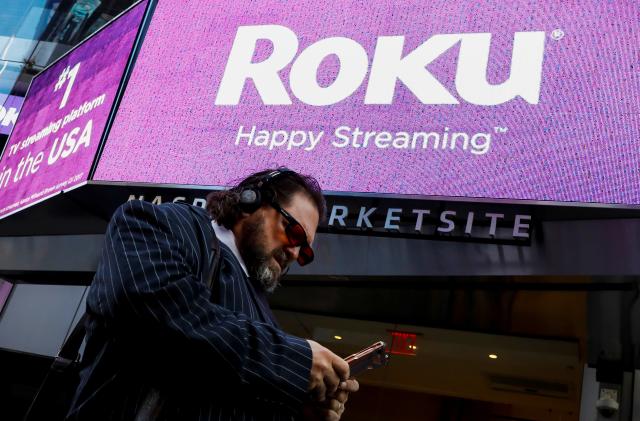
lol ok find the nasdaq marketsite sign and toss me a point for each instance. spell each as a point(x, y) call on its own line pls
point(398, 218)
point(534, 100)
point(57, 133)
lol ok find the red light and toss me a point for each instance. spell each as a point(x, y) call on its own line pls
point(403, 343)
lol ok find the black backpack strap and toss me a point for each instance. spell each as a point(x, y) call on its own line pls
point(214, 245)
point(215, 257)
point(69, 352)
point(54, 395)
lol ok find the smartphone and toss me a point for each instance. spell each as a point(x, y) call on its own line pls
point(371, 357)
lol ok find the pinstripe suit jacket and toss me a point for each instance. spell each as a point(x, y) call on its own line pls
point(155, 326)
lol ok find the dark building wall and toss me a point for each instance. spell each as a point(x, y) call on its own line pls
point(592, 248)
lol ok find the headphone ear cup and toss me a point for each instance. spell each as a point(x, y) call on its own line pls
point(250, 200)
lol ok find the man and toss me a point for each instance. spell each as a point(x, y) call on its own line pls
point(163, 344)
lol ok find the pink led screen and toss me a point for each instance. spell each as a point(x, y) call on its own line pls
point(524, 100)
point(57, 133)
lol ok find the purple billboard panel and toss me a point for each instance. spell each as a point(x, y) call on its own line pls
point(9, 109)
point(56, 136)
point(530, 100)
point(5, 291)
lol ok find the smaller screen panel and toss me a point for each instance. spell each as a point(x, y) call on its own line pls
point(64, 114)
point(5, 290)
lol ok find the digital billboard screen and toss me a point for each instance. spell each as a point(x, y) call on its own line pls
point(525, 100)
point(57, 133)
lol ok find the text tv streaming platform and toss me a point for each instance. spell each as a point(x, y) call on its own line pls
point(534, 100)
point(56, 135)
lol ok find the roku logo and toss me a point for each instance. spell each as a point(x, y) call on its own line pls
point(388, 66)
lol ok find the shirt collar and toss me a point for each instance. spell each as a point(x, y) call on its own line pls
point(227, 238)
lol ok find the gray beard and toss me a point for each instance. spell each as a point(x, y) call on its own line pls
point(267, 277)
point(257, 259)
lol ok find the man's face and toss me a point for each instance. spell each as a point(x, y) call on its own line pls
point(263, 242)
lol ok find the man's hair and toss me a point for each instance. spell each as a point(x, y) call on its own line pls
point(223, 205)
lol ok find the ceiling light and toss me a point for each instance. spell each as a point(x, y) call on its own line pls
point(493, 356)
point(338, 337)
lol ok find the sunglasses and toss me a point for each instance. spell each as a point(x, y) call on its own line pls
point(297, 236)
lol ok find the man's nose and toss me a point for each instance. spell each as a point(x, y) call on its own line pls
point(292, 252)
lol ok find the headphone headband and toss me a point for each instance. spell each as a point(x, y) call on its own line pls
point(268, 178)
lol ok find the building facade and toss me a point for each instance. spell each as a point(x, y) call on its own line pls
point(491, 309)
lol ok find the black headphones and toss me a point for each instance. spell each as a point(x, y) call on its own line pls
point(254, 195)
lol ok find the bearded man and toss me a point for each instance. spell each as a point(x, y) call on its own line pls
point(179, 327)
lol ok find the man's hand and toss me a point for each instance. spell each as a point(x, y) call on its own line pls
point(328, 371)
point(332, 408)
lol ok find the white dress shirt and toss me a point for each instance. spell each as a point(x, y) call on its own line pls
point(227, 238)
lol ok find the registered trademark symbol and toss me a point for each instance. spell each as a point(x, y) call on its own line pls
point(557, 34)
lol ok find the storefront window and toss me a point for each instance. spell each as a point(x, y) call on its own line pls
point(462, 349)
